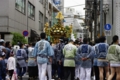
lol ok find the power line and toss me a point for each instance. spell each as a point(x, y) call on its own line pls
point(75, 5)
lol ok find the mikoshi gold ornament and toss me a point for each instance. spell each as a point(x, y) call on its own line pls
point(58, 30)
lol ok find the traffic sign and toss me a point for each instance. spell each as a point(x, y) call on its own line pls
point(107, 27)
point(25, 33)
point(107, 32)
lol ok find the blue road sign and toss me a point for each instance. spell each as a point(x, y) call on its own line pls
point(25, 33)
point(107, 27)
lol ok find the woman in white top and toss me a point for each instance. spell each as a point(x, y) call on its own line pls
point(11, 65)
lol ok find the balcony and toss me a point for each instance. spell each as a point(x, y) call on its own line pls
point(51, 4)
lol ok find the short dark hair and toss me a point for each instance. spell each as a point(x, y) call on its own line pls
point(90, 43)
point(30, 44)
point(76, 42)
point(85, 40)
point(42, 35)
point(71, 40)
point(21, 44)
point(97, 40)
point(1, 43)
point(115, 38)
point(33, 44)
point(102, 39)
point(7, 44)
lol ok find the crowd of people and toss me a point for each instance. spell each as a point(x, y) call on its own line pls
point(44, 60)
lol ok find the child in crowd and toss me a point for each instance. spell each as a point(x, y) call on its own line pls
point(11, 65)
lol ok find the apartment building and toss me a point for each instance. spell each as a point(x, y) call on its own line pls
point(20, 15)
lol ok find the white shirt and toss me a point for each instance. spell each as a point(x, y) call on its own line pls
point(30, 49)
point(11, 65)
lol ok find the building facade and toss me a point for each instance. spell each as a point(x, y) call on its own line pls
point(20, 15)
point(74, 19)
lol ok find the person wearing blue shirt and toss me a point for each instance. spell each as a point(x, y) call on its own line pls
point(60, 58)
point(95, 67)
point(101, 53)
point(54, 64)
point(85, 53)
point(21, 57)
point(8, 50)
point(2, 68)
point(43, 52)
point(3, 52)
point(77, 62)
point(49, 66)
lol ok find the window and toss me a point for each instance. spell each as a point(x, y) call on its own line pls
point(41, 1)
point(40, 21)
point(31, 11)
point(20, 5)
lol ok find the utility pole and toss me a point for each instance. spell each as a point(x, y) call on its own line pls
point(44, 18)
point(95, 19)
point(52, 12)
point(101, 17)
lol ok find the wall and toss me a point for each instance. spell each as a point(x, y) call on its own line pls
point(17, 20)
point(117, 17)
point(4, 7)
point(4, 15)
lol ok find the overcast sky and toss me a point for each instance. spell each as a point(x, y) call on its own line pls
point(79, 9)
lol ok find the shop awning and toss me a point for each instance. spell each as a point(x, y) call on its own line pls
point(34, 34)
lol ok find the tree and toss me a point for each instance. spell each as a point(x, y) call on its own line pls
point(17, 37)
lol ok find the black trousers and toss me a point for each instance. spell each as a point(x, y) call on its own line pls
point(10, 73)
point(60, 70)
point(54, 69)
point(68, 71)
point(33, 71)
point(96, 70)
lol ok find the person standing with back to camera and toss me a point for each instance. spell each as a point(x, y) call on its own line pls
point(43, 52)
point(114, 58)
point(101, 53)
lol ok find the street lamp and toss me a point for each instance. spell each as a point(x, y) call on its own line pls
point(105, 11)
point(105, 8)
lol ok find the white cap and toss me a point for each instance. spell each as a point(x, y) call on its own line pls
point(2, 40)
point(3, 54)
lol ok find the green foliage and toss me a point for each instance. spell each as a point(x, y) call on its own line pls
point(75, 34)
point(68, 34)
point(17, 37)
point(67, 28)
